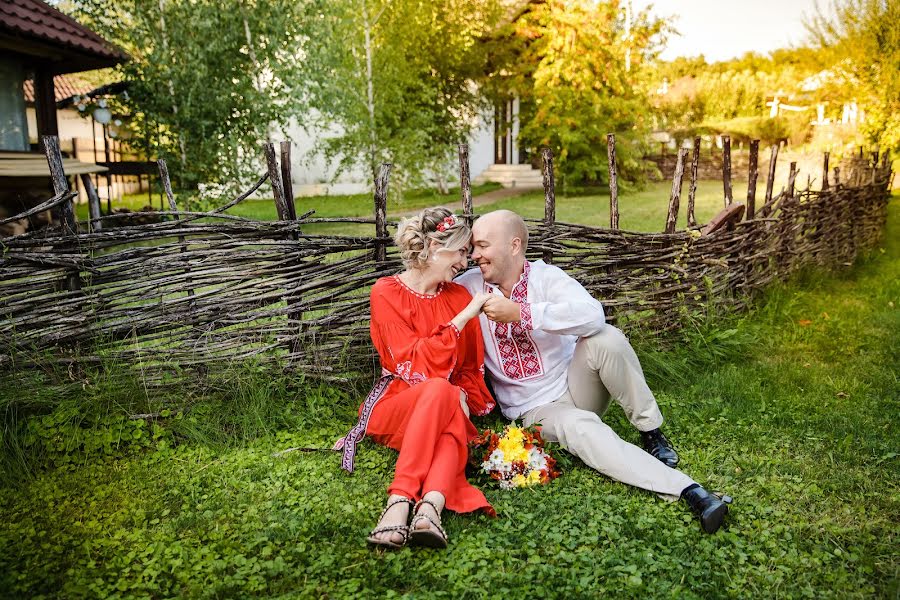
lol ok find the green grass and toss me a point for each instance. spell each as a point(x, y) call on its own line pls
point(790, 409)
point(354, 205)
point(639, 210)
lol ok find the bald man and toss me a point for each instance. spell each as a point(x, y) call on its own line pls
point(553, 360)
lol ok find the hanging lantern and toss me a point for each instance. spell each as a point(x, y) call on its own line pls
point(102, 115)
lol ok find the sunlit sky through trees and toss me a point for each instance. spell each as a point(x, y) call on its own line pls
point(723, 29)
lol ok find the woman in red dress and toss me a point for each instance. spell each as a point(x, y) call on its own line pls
point(427, 335)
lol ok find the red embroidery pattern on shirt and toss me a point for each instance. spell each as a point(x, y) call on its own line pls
point(519, 356)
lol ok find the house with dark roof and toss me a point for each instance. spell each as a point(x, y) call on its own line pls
point(39, 42)
point(39, 45)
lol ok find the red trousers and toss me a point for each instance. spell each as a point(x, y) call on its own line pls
point(427, 425)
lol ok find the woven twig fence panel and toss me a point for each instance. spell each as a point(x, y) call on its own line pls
point(171, 299)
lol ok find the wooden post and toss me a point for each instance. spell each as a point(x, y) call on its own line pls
point(675, 197)
point(549, 195)
point(770, 180)
point(60, 183)
point(275, 180)
point(465, 184)
point(166, 183)
point(61, 186)
point(93, 202)
point(167, 189)
point(791, 178)
point(752, 176)
point(613, 181)
point(837, 177)
point(381, 187)
point(692, 191)
point(726, 169)
point(825, 172)
point(295, 314)
point(286, 182)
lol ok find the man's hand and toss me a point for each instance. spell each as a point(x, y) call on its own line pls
point(502, 310)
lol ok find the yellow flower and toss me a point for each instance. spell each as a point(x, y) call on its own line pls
point(534, 477)
point(519, 480)
point(512, 450)
point(514, 434)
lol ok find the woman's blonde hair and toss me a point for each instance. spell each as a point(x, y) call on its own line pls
point(438, 224)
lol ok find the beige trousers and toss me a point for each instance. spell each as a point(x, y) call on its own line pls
point(605, 366)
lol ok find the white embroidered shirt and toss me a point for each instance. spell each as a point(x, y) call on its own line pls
point(528, 361)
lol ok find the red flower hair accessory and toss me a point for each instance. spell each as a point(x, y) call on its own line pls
point(447, 223)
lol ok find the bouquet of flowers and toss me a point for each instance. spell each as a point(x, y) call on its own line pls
point(515, 457)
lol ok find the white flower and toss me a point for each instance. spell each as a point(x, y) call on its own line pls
point(537, 460)
point(496, 462)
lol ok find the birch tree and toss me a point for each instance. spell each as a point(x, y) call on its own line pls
point(395, 80)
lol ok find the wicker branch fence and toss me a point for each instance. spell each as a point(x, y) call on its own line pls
point(170, 299)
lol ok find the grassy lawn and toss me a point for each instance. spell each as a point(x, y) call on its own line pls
point(640, 210)
point(354, 205)
point(790, 409)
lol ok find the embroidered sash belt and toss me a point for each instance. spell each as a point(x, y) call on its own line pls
point(348, 442)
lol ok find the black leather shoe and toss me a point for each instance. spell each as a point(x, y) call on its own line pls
point(656, 443)
point(710, 508)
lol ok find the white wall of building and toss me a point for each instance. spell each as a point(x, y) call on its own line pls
point(312, 175)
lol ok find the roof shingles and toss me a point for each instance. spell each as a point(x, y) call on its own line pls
point(37, 20)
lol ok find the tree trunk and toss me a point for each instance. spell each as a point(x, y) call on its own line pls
point(370, 90)
point(165, 43)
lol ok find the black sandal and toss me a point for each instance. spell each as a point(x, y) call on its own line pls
point(404, 529)
point(427, 537)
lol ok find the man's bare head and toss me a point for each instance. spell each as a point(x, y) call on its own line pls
point(499, 241)
point(506, 222)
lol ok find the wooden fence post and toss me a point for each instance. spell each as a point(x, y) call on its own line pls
point(381, 187)
point(675, 197)
point(770, 180)
point(837, 177)
point(465, 185)
point(93, 202)
point(295, 314)
point(67, 212)
point(825, 172)
point(726, 169)
point(752, 176)
point(275, 180)
point(613, 181)
point(167, 189)
point(692, 191)
point(792, 176)
point(549, 195)
point(286, 183)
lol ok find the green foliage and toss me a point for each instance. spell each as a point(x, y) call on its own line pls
point(207, 80)
point(691, 97)
point(861, 39)
point(566, 61)
point(769, 131)
point(393, 81)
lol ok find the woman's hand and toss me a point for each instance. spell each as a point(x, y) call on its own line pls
point(462, 402)
point(472, 310)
